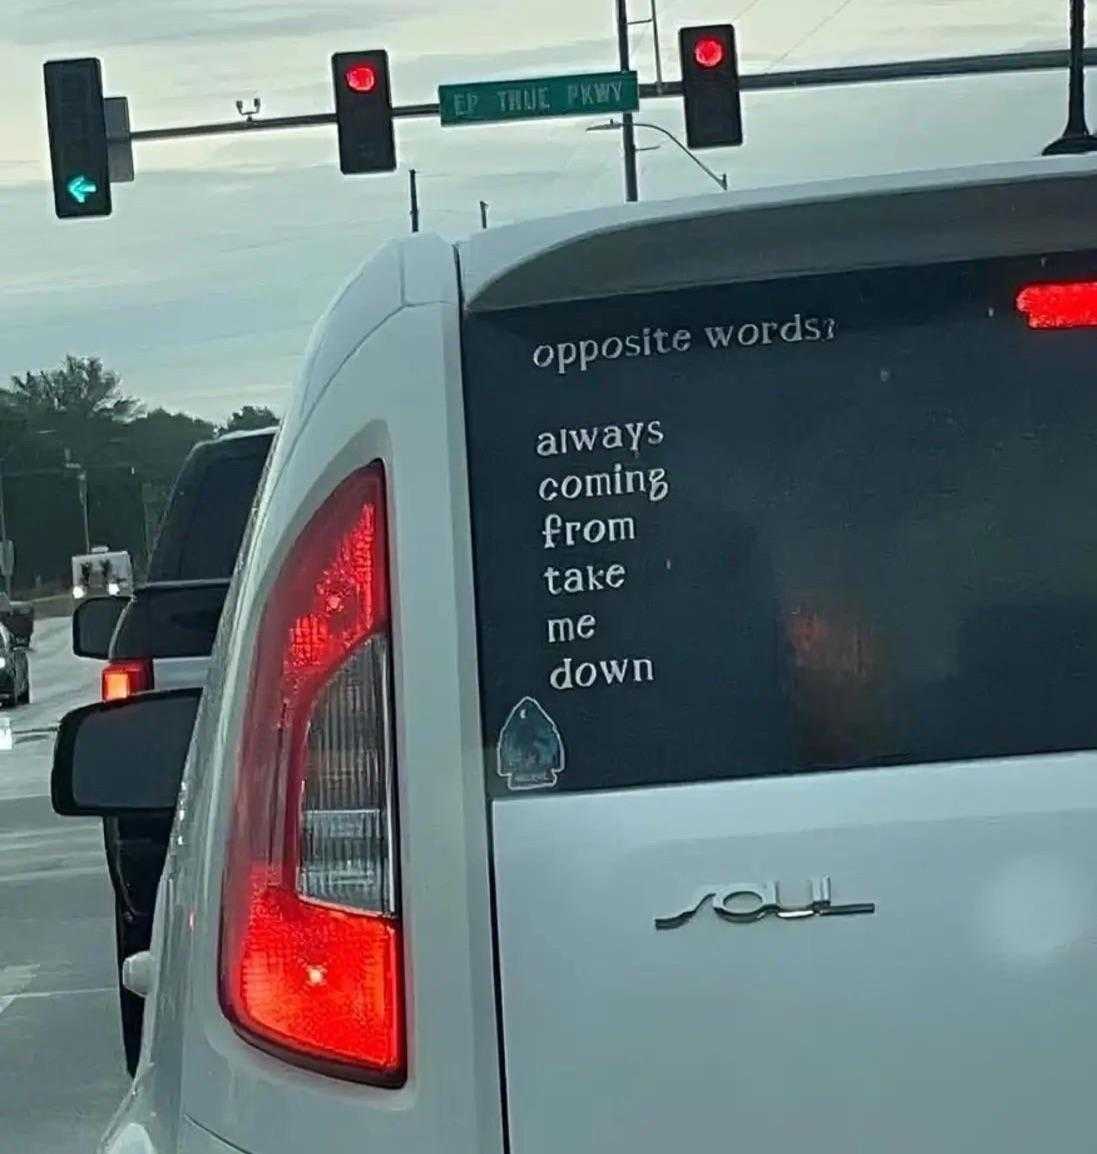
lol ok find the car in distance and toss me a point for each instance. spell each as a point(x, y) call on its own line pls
point(18, 617)
point(14, 670)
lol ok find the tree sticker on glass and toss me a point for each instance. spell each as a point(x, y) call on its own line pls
point(530, 751)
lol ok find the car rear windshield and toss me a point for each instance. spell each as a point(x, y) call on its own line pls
point(204, 524)
point(811, 524)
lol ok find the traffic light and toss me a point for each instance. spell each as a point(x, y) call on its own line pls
point(363, 111)
point(78, 137)
point(710, 86)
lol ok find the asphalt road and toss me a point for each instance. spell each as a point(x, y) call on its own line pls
point(61, 1068)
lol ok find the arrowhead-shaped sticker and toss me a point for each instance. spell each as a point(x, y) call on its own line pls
point(530, 751)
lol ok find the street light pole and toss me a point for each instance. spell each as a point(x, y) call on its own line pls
point(720, 178)
point(627, 135)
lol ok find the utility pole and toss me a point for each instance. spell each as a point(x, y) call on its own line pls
point(4, 536)
point(483, 214)
point(414, 188)
point(628, 136)
point(655, 47)
point(8, 569)
point(653, 20)
point(1076, 136)
point(82, 492)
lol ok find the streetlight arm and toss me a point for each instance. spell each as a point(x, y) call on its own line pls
point(722, 181)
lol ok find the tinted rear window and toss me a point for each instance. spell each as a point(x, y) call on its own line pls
point(204, 524)
point(835, 521)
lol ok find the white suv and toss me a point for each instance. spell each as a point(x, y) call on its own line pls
point(655, 709)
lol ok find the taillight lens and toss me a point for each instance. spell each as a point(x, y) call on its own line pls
point(123, 679)
point(311, 963)
point(1071, 305)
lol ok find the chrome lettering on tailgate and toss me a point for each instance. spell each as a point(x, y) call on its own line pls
point(752, 901)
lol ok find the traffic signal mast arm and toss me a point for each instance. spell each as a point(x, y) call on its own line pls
point(761, 82)
point(89, 149)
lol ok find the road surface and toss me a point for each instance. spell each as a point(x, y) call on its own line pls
point(61, 1066)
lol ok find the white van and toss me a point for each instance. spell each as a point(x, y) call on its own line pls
point(656, 706)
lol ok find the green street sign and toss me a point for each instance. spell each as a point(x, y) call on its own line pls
point(587, 94)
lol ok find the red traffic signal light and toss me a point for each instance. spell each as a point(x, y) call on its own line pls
point(708, 52)
point(710, 86)
point(363, 111)
point(360, 78)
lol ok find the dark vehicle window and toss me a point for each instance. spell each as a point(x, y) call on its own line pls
point(205, 521)
point(831, 522)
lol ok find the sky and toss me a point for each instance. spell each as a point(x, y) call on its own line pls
point(202, 287)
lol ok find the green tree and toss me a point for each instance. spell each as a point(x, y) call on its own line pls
point(157, 443)
point(80, 388)
point(250, 417)
point(79, 409)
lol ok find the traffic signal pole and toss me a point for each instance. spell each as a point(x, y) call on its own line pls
point(628, 132)
point(1076, 136)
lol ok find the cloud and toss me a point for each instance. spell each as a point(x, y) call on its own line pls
point(42, 22)
point(505, 62)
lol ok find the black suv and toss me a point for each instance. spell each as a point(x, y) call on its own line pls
point(161, 638)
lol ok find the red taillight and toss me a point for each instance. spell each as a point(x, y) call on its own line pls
point(1059, 306)
point(123, 679)
point(310, 939)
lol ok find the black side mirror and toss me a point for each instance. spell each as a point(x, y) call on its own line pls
point(93, 626)
point(123, 757)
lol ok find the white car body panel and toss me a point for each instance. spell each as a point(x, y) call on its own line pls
point(980, 958)
point(179, 672)
point(382, 381)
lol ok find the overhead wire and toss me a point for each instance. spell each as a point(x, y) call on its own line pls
point(804, 39)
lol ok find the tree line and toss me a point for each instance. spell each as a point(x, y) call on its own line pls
point(79, 414)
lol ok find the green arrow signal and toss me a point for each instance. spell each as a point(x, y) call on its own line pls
point(80, 188)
